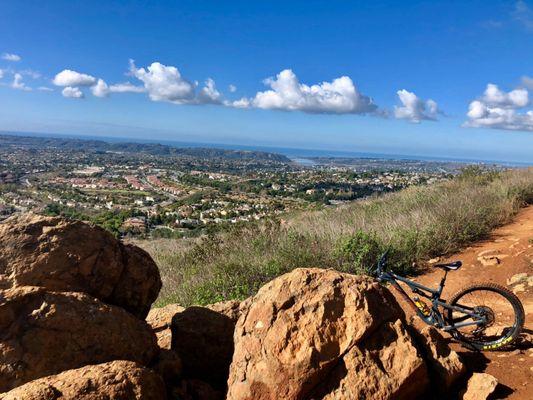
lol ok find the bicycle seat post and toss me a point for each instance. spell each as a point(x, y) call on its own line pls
point(442, 281)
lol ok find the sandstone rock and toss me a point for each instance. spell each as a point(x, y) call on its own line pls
point(444, 364)
point(317, 333)
point(117, 380)
point(517, 278)
point(203, 338)
point(232, 309)
point(160, 320)
point(480, 386)
point(488, 261)
point(67, 255)
point(519, 288)
point(44, 333)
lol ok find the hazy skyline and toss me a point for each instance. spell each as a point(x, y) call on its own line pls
point(419, 78)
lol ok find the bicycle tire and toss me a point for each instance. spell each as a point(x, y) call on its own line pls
point(505, 339)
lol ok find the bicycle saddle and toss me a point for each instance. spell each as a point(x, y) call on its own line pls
point(453, 266)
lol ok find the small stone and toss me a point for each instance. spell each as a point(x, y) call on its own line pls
point(530, 280)
point(519, 288)
point(488, 261)
point(480, 386)
point(517, 278)
point(434, 260)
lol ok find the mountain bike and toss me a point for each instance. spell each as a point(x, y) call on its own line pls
point(481, 316)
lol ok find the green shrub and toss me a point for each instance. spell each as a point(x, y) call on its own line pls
point(358, 252)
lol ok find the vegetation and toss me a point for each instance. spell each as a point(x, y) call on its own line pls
point(415, 224)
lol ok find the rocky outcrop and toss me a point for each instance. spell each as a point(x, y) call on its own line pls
point(203, 338)
point(317, 333)
point(43, 333)
point(117, 380)
point(66, 255)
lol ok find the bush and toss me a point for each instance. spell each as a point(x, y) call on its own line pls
point(358, 252)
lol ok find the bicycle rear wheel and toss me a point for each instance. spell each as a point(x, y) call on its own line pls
point(501, 309)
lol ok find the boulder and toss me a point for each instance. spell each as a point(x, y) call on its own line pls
point(116, 380)
point(316, 333)
point(168, 363)
point(444, 364)
point(480, 387)
point(66, 255)
point(160, 320)
point(44, 333)
point(203, 338)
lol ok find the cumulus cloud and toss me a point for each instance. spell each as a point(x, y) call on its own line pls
point(339, 96)
point(164, 83)
point(71, 78)
point(18, 83)
point(11, 57)
point(494, 97)
point(72, 92)
point(126, 87)
point(415, 109)
point(232, 88)
point(100, 89)
point(500, 110)
point(209, 93)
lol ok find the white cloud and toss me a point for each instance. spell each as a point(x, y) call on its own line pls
point(71, 78)
point(493, 96)
point(45, 89)
point(31, 73)
point(18, 83)
point(126, 87)
point(100, 89)
point(337, 97)
point(232, 88)
point(209, 93)
point(1, 73)
point(164, 83)
point(72, 92)
point(500, 110)
point(11, 57)
point(415, 109)
point(241, 103)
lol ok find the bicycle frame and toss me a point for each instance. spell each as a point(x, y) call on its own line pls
point(435, 316)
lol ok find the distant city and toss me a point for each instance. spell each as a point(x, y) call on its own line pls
point(158, 190)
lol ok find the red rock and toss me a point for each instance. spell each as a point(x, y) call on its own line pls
point(44, 333)
point(67, 255)
point(116, 380)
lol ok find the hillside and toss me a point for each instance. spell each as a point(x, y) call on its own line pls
point(416, 224)
point(155, 149)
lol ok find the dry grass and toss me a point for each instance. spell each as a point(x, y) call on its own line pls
point(415, 224)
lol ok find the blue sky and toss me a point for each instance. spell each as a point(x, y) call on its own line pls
point(388, 77)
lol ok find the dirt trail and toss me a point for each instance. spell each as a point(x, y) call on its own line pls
point(510, 251)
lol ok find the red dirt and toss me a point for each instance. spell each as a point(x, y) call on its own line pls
point(513, 245)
